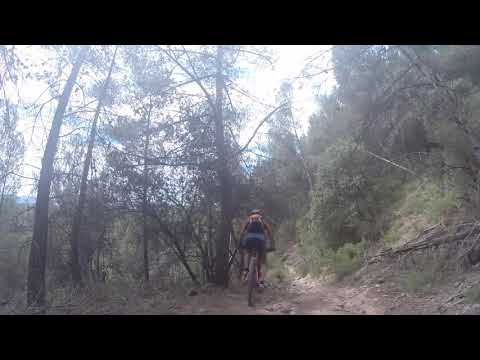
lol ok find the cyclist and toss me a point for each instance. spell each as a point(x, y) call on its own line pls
point(254, 235)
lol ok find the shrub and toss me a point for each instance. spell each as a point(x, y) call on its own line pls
point(348, 259)
point(423, 278)
point(428, 200)
point(472, 295)
point(421, 205)
point(342, 262)
point(277, 271)
point(417, 281)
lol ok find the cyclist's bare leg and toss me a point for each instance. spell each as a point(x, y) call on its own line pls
point(247, 264)
point(261, 261)
point(242, 262)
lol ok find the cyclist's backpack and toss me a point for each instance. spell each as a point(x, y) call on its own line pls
point(255, 224)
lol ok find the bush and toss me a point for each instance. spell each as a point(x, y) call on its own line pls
point(473, 295)
point(13, 263)
point(429, 200)
point(352, 195)
point(417, 281)
point(421, 205)
point(285, 233)
point(277, 271)
point(424, 277)
point(320, 261)
point(348, 259)
point(342, 262)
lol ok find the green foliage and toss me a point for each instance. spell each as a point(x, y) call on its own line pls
point(421, 281)
point(323, 189)
point(426, 274)
point(417, 281)
point(285, 234)
point(348, 204)
point(348, 259)
point(472, 295)
point(422, 203)
point(277, 271)
point(393, 234)
point(318, 260)
point(429, 200)
point(342, 262)
point(334, 209)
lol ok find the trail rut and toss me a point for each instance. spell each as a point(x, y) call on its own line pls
point(298, 296)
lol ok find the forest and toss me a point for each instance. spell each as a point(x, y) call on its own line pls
point(126, 178)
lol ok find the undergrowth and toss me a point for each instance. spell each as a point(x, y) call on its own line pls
point(415, 206)
point(342, 262)
point(277, 271)
point(472, 295)
point(421, 205)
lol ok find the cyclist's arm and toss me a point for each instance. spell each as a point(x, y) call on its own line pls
point(269, 230)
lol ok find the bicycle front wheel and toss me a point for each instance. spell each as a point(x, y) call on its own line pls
point(252, 279)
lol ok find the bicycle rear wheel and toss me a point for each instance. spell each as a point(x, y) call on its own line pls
point(252, 278)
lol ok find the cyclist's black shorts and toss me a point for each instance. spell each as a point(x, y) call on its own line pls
point(254, 241)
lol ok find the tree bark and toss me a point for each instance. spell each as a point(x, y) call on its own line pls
point(221, 253)
point(38, 251)
point(78, 218)
point(303, 158)
point(145, 198)
point(2, 195)
point(97, 265)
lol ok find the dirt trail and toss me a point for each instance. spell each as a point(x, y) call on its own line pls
point(371, 291)
point(298, 296)
point(303, 296)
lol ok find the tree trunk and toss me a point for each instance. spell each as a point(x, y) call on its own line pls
point(2, 195)
point(221, 254)
point(38, 250)
point(303, 160)
point(78, 218)
point(97, 265)
point(6, 176)
point(145, 197)
point(209, 246)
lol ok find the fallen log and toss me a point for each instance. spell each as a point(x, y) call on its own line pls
point(436, 242)
point(429, 240)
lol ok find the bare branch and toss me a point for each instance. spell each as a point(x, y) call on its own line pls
point(260, 125)
point(194, 77)
point(390, 162)
point(264, 57)
point(71, 132)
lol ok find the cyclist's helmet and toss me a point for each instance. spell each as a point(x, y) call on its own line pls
point(256, 211)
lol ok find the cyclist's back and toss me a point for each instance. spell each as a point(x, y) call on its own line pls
point(255, 232)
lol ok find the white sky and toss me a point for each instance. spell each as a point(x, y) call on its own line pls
point(291, 59)
point(263, 85)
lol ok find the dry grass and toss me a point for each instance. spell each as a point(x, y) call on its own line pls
point(98, 299)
